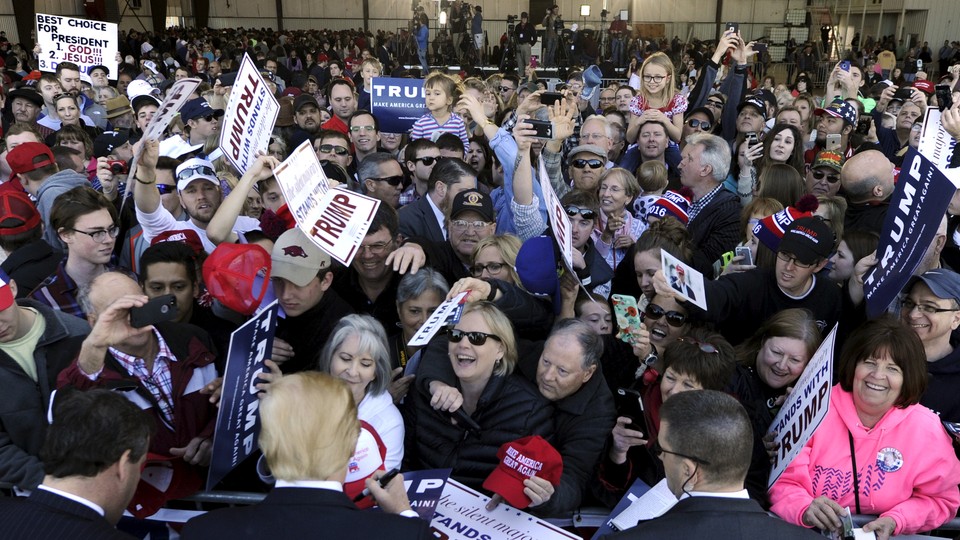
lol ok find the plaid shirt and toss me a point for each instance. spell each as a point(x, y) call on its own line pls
point(59, 291)
point(699, 205)
point(409, 195)
point(159, 383)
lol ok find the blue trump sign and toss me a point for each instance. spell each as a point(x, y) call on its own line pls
point(238, 421)
point(918, 205)
point(397, 103)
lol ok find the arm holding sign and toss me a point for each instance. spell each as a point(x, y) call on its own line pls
point(146, 196)
point(220, 228)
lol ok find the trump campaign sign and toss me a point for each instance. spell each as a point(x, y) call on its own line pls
point(397, 103)
point(249, 117)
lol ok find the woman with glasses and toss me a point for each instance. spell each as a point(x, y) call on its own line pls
point(768, 365)
point(495, 257)
point(462, 427)
point(877, 450)
point(617, 229)
point(700, 360)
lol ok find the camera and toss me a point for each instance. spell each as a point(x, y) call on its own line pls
point(118, 166)
point(603, 14)
point(511, 23)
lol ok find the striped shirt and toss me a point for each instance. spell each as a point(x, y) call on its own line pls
point(426, 127)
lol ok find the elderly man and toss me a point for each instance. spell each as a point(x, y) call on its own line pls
point(823, 175)
point(163, 368)
point(565, 369)
point(308, 496)
point(705, 443)
point(867, 181)
point(715, 213)
point(93, 453)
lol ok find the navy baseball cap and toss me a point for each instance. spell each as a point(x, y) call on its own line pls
point(942, 282)
point(198, 108)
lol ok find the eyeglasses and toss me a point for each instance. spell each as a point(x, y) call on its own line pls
point(428, 161)
point(100, 235)
point(714, 103)
point(583, 163)
point(704, 347)
point(586, 213)
point(196, 170)
point(504, 89)
point(907, 305)
point(654, 78)
point(333, 149)
point(674, 318)
point(358, 129)
point(493, 268)
point(793, 259)
point(166, 189)
point(461, 225)
point(392, 180)
point(702, 124)
point(592, 136)
point(475, 338)
point(374, 249)
point(832, 178)
point(659, 451)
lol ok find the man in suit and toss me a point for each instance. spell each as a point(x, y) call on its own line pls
point(92, 455)
point(705, 443)
point(426, 218)
point(308, 496)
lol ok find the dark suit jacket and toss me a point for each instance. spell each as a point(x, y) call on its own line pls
point(298, 513)
point(715, 517)
point(45, 515)
point(417, 220)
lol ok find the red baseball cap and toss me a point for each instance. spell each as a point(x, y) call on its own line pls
point(187, 236)
point(924, 86)
point(6, 293)
point(367, 459)
point(230, 273)
point(519, 460)
point(17, 213)
point(28, 157)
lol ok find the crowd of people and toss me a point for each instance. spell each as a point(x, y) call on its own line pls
point(775, 194)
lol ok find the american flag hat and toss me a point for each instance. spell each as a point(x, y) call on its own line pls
point(840, 109)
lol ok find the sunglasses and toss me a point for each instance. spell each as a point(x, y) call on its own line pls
point(196, 170)
point(475, 338)
point(334, 149)
point(832, 178)
point(208, 118)
point(714, 103)
point(166, 189)
point(586, 213)
point(392, 180)
point(428, 160)
point(702, 124)
point(583, 163)
point(674, 318)
point(506, 89)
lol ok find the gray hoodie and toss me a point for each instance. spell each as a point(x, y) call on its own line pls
point(51, 188)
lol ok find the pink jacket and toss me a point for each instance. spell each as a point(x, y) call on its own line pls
point(917, 486)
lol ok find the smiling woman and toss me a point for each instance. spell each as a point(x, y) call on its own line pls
point(902, 465)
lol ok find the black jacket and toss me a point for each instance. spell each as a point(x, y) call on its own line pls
point(509, 408)
point(583, 421)
point(715, 231)
point(941, 395)
point(308, 332)
point(756, 396)
point(23, 409)
point(296, 513)
point(715, 517)
point(48, 516)
point(417, 220)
